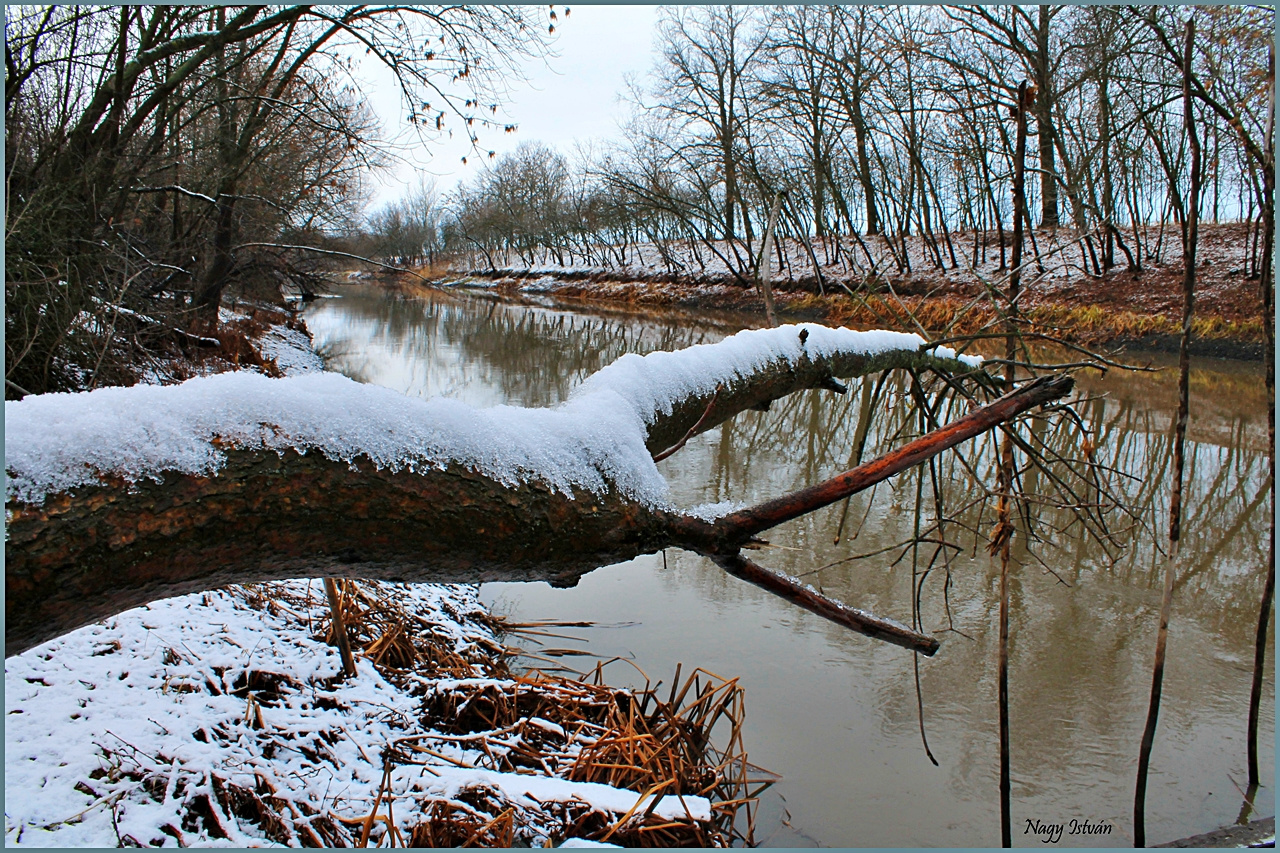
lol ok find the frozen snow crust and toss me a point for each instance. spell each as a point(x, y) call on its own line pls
point(55, 442)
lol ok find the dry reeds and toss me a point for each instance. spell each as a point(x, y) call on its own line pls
point(472, 713)
point(585, 731)
point(398, 640)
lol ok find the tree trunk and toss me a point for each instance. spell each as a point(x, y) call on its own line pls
point(864, 166)
point(1267, 275)
point(766, 287)
point(1003, 535)
point(1190, 232)
point(96, 550)
point(208, 296)
point(1044, 124)
point(1108, 188)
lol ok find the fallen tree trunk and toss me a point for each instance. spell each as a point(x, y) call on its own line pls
point(277, 496)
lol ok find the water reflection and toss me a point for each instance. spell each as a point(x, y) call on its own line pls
point(481, 350)
point(836, 713)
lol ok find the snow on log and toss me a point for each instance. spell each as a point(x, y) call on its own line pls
point(121, 496)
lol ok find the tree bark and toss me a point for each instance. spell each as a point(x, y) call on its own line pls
point(1268, 322)
point(1003, 535)
point(766, 286)
point(83, 555)
point(864, 164)
point(1044, 122)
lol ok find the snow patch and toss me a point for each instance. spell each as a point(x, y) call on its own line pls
point(542, 789)
point(115, 731)
point(149, 691)
point(291, 350)
point(584, 842)
point(542, 284)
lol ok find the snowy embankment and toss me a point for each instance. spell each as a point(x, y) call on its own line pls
point(840, 261)
point(221, 719)
point(594, 441)
point(1068, 291)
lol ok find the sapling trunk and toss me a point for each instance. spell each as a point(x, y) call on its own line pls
point(1268, 323)
point(766, 261)
point(1004, 525)
point(1190, 233)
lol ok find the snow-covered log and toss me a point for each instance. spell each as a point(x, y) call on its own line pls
point(121, 496)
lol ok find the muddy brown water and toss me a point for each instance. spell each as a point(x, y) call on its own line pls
point(836, 714)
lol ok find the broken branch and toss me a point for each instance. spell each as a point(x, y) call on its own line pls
point(693, 430)
point(803, 595)
point(740, 526)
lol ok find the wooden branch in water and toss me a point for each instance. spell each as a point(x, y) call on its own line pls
point(721, 540)
point(1189, 237)
point(1268, 322)
point(803, 595)
point(738, 527)
point(100, 548)
point(1259, 659)
point(1153, 710)
point(1003, 533)
point(780, 380)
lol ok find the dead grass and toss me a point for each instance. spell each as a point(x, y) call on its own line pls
point(1077, 323)
point(475, 711)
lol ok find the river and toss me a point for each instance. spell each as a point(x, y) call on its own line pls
point(835, 714)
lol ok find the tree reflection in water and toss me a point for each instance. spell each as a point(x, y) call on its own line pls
point(1084, 596)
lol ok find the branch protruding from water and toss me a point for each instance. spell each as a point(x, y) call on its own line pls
point(803, 595)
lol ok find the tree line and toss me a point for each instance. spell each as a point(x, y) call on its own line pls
point(156, 156)
point(882, 123)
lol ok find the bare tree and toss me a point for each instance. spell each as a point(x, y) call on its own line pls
point(152, 150)
point(703, 87)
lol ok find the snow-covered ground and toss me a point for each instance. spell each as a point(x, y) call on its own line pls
point(850, 259)
point(190, 720)
point(220, 719)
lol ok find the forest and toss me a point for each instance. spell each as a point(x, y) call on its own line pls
point(157, 156)
point(885, 123)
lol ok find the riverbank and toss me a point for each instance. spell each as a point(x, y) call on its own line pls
point(224, 718)
point(1258, 834)
point(856, 285)
point(154, 728)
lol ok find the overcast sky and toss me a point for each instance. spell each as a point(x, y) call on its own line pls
point(573, 97)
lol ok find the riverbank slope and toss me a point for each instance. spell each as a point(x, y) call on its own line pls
point(224, 718)
point(876, 283)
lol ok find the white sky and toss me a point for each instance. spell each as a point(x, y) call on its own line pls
point(573, 97)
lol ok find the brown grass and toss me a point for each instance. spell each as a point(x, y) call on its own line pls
point(1066, 302)
point(635, 740)
point(952, 317)
point(686, 740)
